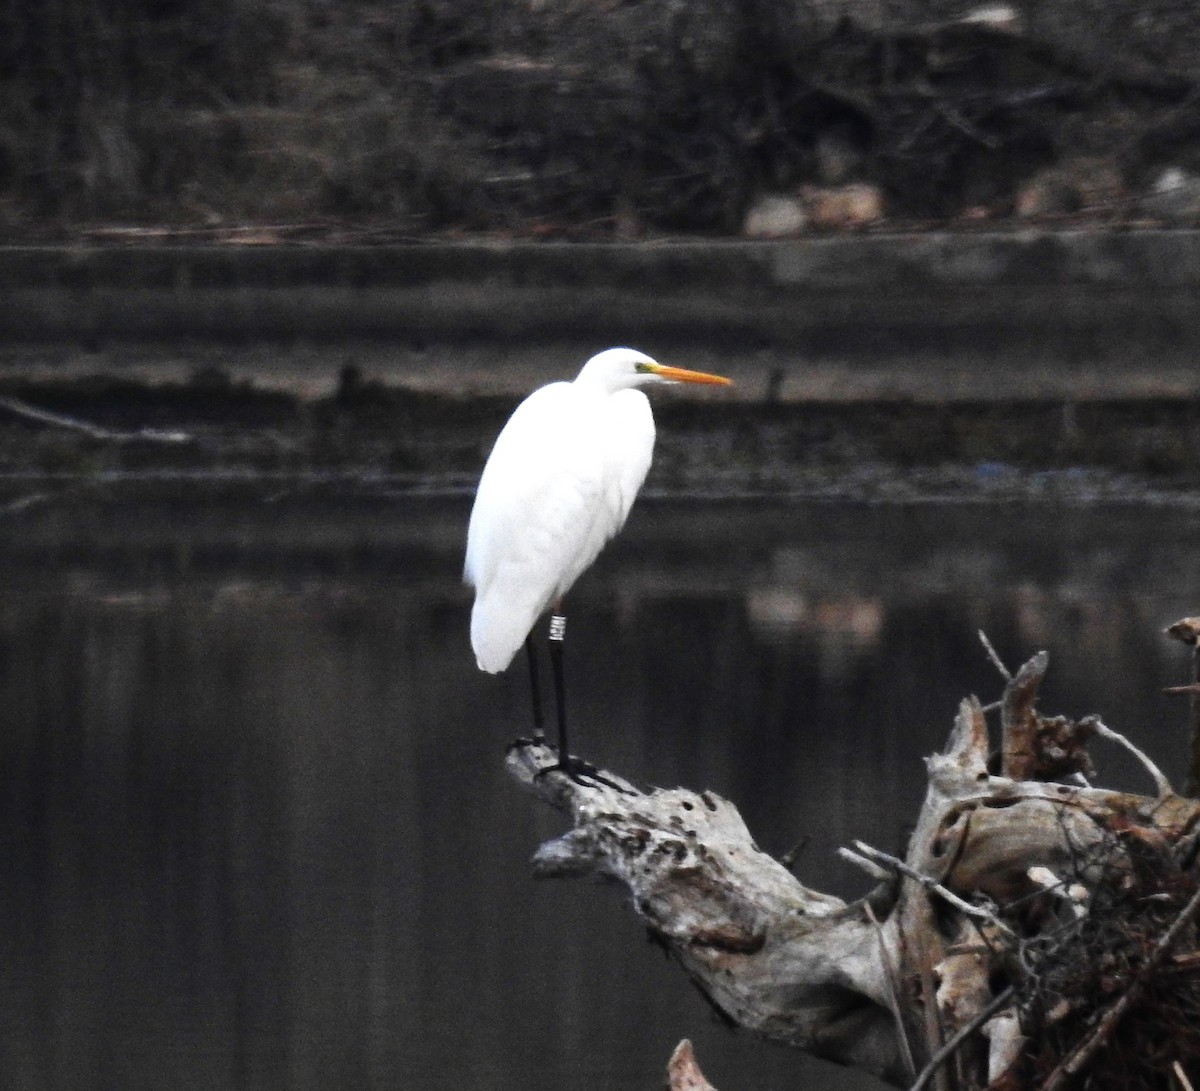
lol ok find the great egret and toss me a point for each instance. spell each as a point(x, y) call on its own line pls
point(558, 484)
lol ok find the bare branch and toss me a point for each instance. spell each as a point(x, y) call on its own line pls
point(1019, 719)
point(29, 500)
point(894, 991)
point(964, 1032)
point(1160, 781)
point(683, 1071)
point(997, 662)
point(905, 976)
point(1187, 630)
point(93, 431)
point(1088, 1048)
point(779, 958)
point(977, 912)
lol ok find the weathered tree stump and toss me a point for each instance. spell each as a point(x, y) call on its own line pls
point(1032, 917)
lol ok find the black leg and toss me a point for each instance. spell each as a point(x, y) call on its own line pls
point(579, 771)
point(539, 727)
point(558, 630)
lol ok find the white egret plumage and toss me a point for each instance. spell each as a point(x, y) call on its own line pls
point(557, 486)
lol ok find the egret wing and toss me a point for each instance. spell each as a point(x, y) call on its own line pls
point(630, 424)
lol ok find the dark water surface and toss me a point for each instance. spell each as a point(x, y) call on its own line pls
point(254, 826)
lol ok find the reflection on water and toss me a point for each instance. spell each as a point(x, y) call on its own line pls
point(254, 828)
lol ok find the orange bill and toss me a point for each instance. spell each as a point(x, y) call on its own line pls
point(682, 375)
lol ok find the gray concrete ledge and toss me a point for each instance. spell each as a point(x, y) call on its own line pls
point(973, 314)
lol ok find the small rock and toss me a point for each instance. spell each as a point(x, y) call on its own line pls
point(1075, 185)
point(1186, 629)
point(1175, 197)
point(774, 216)
point(1002, 18)
point(1047, 193)
point(855, 205)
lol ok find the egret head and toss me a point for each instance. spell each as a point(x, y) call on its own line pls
point(616, 369)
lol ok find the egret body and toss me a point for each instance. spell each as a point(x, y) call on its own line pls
point(557, 486)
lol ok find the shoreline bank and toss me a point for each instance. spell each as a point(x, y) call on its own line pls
point(926, 316)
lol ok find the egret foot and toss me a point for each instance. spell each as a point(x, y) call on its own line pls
point(585, 774)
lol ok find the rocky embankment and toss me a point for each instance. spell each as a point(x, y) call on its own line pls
point(878, 367)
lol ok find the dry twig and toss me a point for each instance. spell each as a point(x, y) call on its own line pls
point(977, 912)
point(1160, 781)
point(1089, 881)
point(893, 981)
point(1087, 1049)
point(1187, 631)
point(963, 1033)
point(1018, 719)
point(997, 662)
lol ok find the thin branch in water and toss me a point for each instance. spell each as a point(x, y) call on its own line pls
point(24, 503)
point(955, 118)
point(93, 431)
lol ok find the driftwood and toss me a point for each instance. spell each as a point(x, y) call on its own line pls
point(1035, 928)
point(683, 1072)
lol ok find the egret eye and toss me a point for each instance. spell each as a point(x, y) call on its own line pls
point(642, 367)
